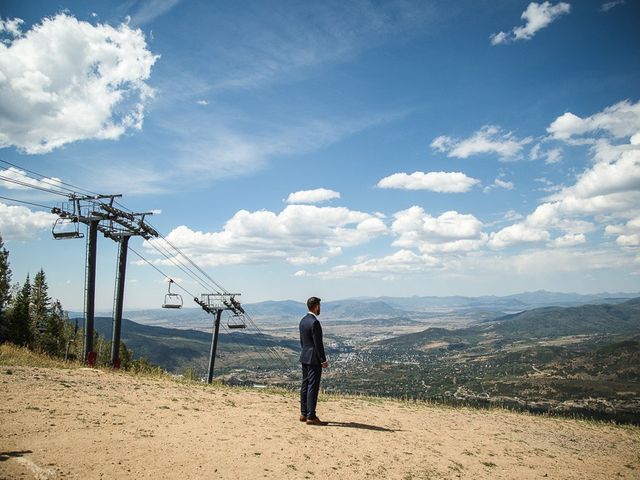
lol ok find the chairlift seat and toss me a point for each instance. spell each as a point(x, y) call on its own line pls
point(236, 321)
point(172, 300)
point(66, 229)
point(239, 325)
point(171, 305)
point(67, 235)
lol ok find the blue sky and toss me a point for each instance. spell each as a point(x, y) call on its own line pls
point(332, 148)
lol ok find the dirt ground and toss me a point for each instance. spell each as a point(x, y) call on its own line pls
point(89, 424)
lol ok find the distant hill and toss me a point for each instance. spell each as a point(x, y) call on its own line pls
point(355, 309)
point(582, 320)
point(285, 308)
point(546, 322)
point(520, 301)
point(174, 349)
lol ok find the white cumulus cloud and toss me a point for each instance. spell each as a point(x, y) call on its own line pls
point(296, 232)
point(307, 260)
point(489, 139)
point(400, 262)
point(317, 195)
point(66, 80)
point(608, 189)
point(11, 26)
point(516, 234)
point(16, 179)
point(449, 232)
point(551, 156)
point(21, 223)
point(628, 235)
point(443, 182)
point(569, 240)
point(536, 17)
point(498, 183)
point(619, 121)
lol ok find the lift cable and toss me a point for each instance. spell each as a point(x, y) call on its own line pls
point(47, 180)
point(37, 187)
point(180, 264)
point(162, 273)
point(273, 350)
point(219, 287)
point(273, 353)
point(26, 203)
point(188, 293)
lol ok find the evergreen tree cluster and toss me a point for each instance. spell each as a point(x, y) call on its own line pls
point(30, 318)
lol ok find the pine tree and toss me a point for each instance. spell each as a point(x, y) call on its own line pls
point(5, 292)
point(40, 308)
point(52, 339)
point(20, 331)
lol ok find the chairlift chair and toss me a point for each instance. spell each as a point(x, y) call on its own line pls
point(172, 300)
point(236, 321)
point(66, 229)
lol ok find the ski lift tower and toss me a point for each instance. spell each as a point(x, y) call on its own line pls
point(216, 303)
point(113, 223)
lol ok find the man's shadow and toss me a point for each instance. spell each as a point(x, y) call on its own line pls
point(361, 426)
point(7, 455)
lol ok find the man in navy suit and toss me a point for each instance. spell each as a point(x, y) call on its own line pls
point(313, 361)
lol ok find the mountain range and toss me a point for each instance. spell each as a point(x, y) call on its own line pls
point(381, 307)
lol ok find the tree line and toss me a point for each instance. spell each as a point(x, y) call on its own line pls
point(30, 318)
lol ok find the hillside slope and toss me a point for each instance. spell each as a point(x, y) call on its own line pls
point(90, 424)
point(583, 359)
point(175, 349)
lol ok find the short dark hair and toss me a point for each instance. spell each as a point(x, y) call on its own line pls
point(312, 302)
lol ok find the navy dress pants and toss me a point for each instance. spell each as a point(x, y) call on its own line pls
point(310, 388)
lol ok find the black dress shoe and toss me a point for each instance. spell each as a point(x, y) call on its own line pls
point(303, 418)
point(315, 421)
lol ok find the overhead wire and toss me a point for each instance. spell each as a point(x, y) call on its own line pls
point(260, 339)
point(200, 276)
point(194, 264)
point(180, 264)
point(272, 351)
point(26, 203)
point(193, 296)
point(261, 336)
point(29, 185)
point(48, 180)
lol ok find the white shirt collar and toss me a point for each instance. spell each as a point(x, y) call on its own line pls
point(311, 313)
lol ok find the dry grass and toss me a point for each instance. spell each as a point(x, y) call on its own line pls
point(12, 355)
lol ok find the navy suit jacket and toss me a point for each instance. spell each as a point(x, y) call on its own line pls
point(311, 341)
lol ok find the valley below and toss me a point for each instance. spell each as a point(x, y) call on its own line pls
point(580, 359)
